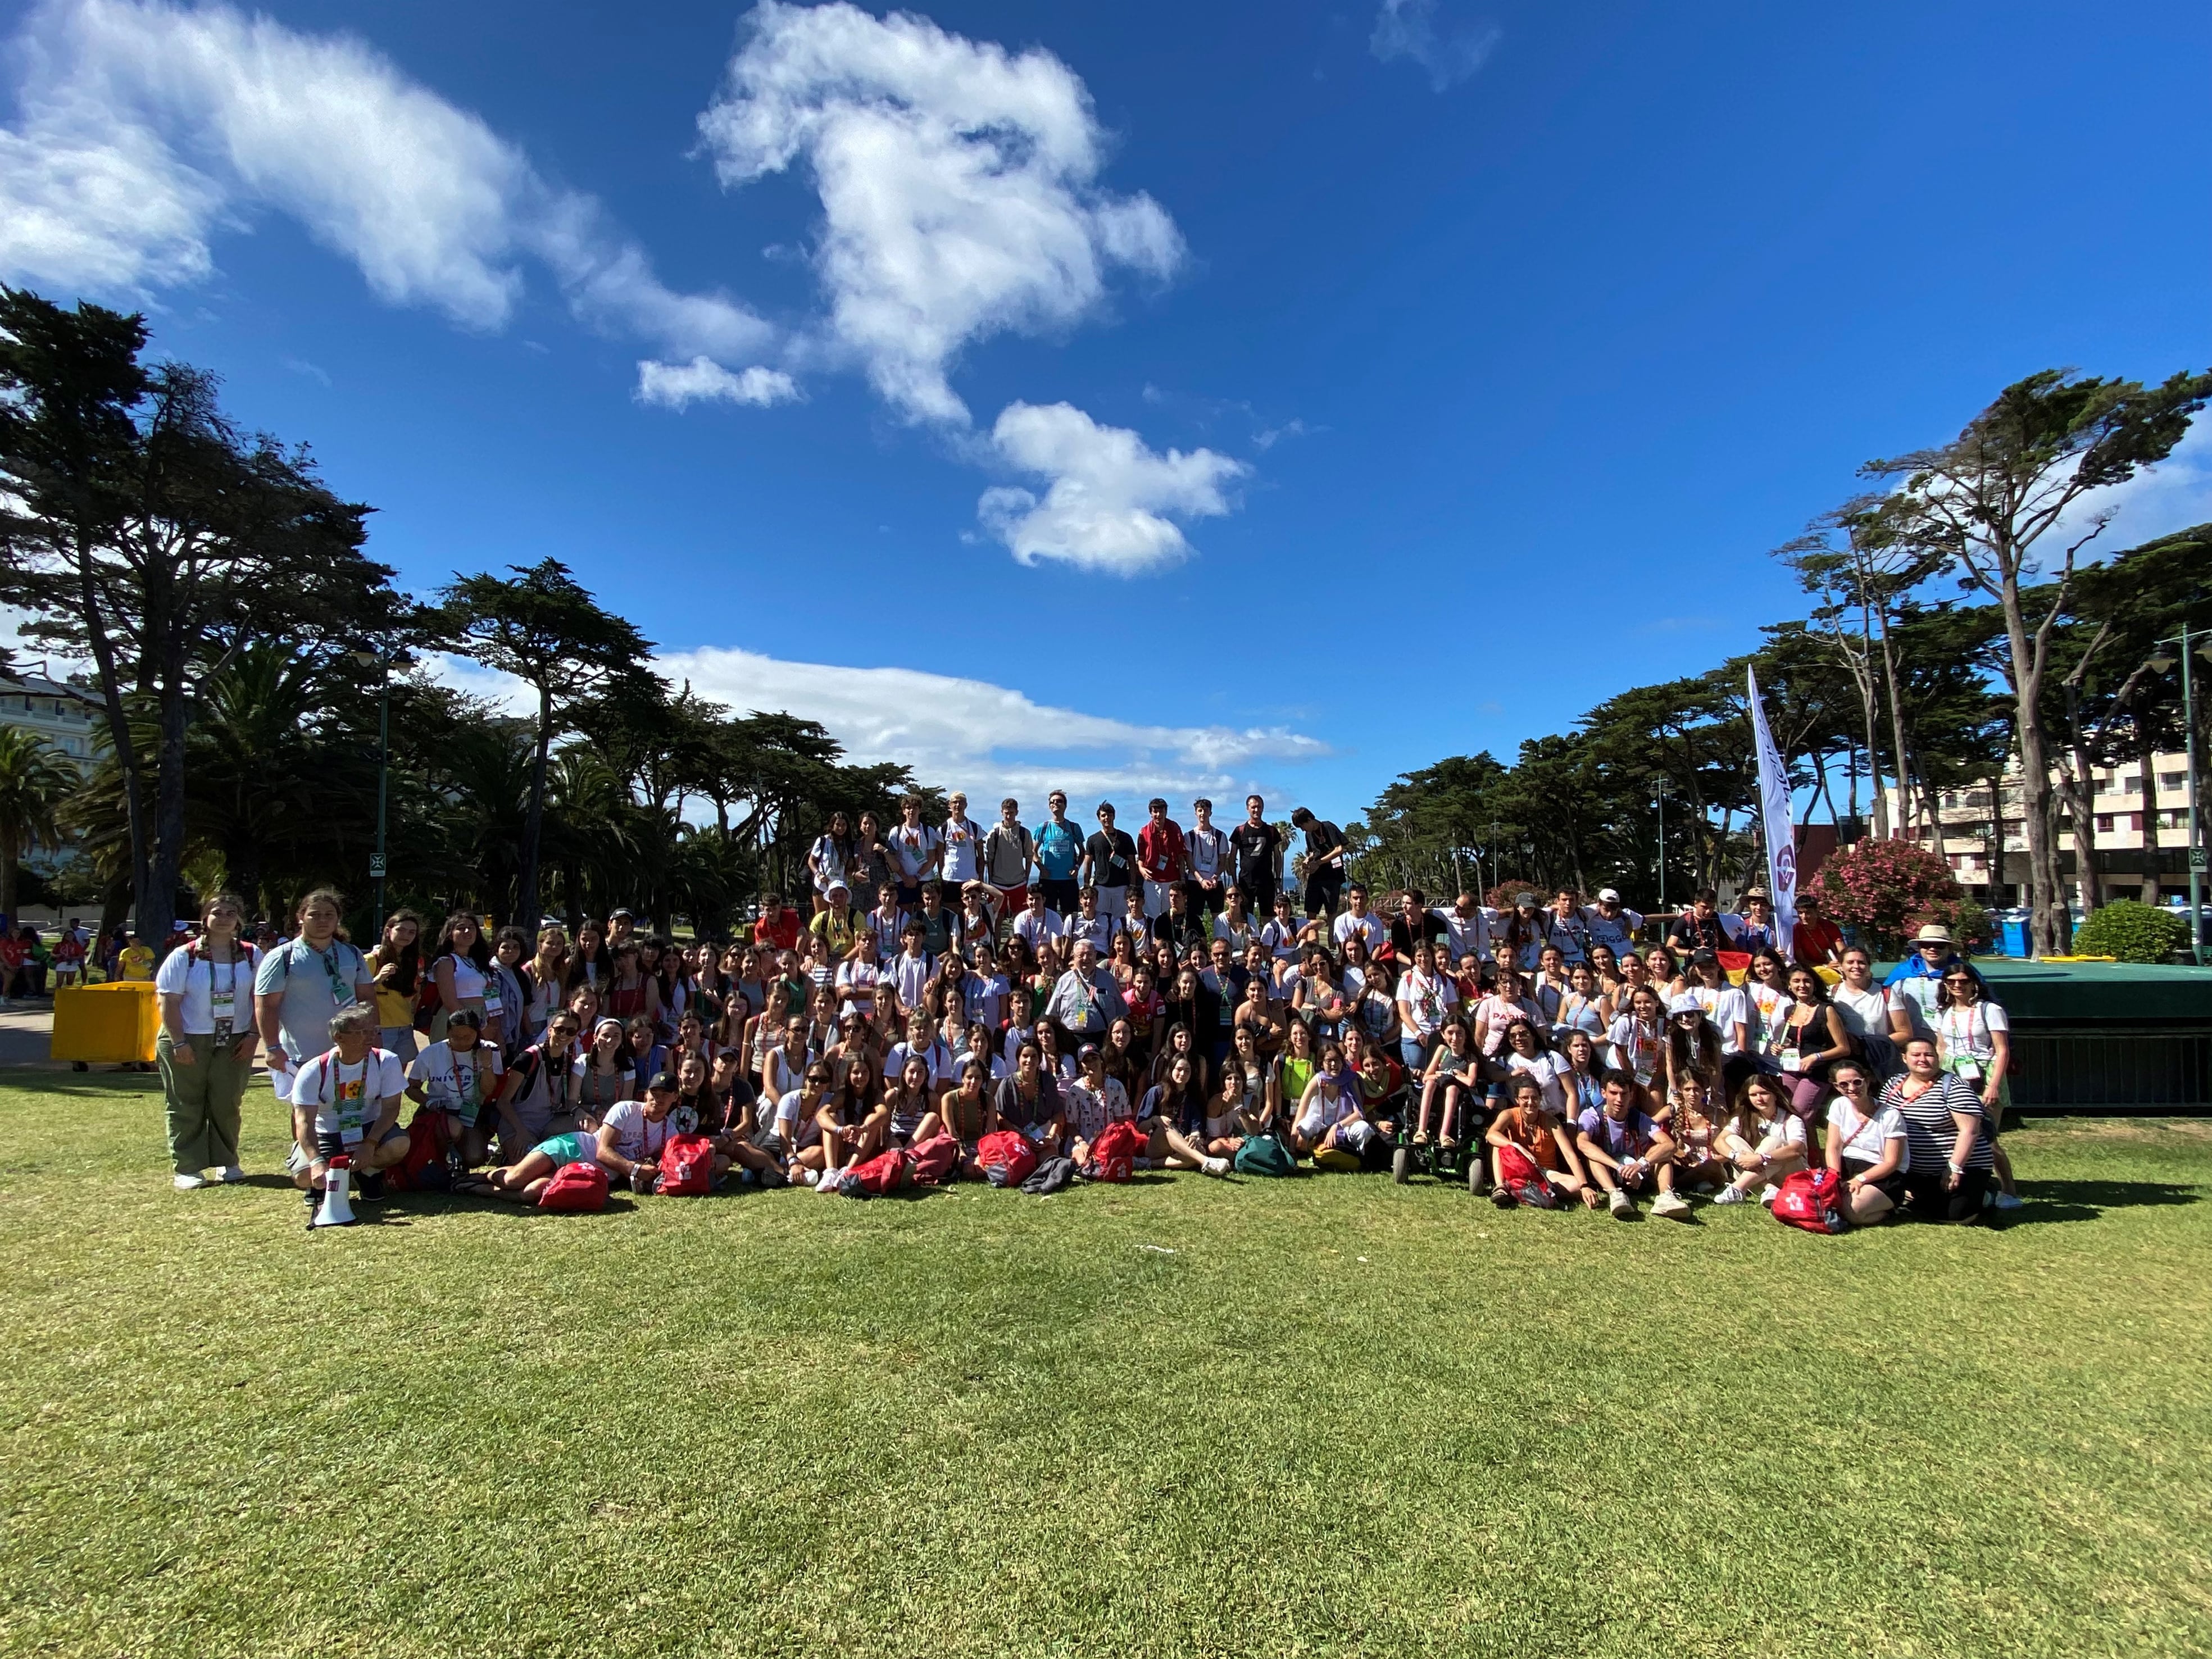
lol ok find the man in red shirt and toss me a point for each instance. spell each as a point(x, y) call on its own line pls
point(1814, 940)
point(1161, 856)
point(778, 924)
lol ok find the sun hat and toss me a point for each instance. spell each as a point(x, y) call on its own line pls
point(1684, 1004)
point(1933, 933)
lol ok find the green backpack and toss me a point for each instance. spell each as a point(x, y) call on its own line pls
point(1265, 1155)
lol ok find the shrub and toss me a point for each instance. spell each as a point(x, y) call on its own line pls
point(2131, 931)
point(1887, 889)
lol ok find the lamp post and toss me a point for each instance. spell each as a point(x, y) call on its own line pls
point(1659, 804)
point(380, 659)
point(2159, 662)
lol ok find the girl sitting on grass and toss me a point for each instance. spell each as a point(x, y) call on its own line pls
point(1762, 1142)
point(1524, 1135)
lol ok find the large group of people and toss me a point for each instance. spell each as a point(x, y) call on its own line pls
point(948, 983)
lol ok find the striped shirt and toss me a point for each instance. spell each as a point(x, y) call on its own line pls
point(1929, 1132)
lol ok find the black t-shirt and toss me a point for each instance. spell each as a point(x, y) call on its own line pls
point(1256, 845)
point(1182, 930)
point(1402, 936)
point(1113, 858)
point(1322, 838)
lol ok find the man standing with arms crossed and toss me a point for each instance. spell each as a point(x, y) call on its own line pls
point(1059, 855)
point(1161, 855)
point(1008, 851)
point(1258, 848)
point(1110, 863)
point(1210, 864)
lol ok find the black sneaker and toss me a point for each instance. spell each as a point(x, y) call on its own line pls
point(312, 1197)
point(368, 1189)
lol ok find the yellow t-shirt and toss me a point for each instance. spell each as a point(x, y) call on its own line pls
point(136, 963)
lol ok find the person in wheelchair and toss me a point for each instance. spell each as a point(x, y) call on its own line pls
point(1452, 1086)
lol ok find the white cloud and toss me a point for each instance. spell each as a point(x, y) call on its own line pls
point(678, 385)
point(146, 128)
point(969, 734)
point(1407, 29)
point(957, 181)
point(2157, 501)
point(1106, 505)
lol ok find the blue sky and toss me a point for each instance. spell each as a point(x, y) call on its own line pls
point(1131, 395)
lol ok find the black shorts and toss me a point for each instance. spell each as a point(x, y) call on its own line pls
point(1259, 896)
point(1927, 1198)
point(1894, 1183)
point(1323, 888)
point(1207, 901)
point(1061, 894)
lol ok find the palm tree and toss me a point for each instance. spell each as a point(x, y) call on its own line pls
point(34, 781)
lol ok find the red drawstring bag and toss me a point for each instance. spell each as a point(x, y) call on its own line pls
point(881, 1173)
point(935, 1159)
point(1006, 1157)
point(1811, 1199)
point(1113, 1154)
point(687, 1167)
point(582, 1186)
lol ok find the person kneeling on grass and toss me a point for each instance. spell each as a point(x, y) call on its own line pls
point(459, 1076)
point(1330, 1127)
point(346, 1100)
point(1867, 1144)
point(1762, 1142)
point(1541, 1138)
point(1625, 1150)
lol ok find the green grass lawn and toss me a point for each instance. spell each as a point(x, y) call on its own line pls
point(1177, 1417)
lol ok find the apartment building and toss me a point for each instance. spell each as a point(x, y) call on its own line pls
point(67, 716)
point(2140, 824)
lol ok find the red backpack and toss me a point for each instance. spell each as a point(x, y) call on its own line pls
point(424, 1168)
point(1113, 1154)
point(935, 1159)
point(687, 1167)
point(885, 1172)
point(575, 1186)
point(1006, 1158)
point(1811, 1199)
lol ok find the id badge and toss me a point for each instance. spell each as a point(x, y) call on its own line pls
point(1971, 1070)
point(223, 1005)
point(491, 1004)
point(1792, 1060)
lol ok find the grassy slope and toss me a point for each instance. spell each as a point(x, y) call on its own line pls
point(1339, 1417)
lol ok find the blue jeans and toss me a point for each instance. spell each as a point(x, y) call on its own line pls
point(1414, 1051)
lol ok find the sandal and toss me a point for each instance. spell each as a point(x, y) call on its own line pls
point(474, 1187)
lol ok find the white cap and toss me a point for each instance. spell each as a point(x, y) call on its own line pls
point(1608, 896)
point(1684, 1005)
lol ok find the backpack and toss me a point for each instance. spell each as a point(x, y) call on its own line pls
point(1811, 1200)
point(1052, 1175)
point(580, 1186)
point(687, 1166)
point(935, 1158)
point(424, 1168)
point(1113, 1154)
point(885, 1172)
point(1006, 1157)
point(1265, 1155)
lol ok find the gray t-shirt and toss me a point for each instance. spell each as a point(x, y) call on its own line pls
point(312, 984)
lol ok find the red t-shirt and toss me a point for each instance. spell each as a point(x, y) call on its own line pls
point(783, 934)
point(1811, 940)
point(1159, 850)
point(13, 950)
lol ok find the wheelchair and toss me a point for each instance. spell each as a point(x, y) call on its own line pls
point(1463, 1112)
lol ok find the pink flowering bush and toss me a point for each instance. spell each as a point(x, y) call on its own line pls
point(1887, 889)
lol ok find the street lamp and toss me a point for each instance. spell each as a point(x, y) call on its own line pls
point(2159, 662)
point(369, 656)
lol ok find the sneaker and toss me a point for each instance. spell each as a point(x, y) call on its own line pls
point(1215, 1166)
point(230, 1175)
point(188, 1184)
point(1673, 1206)
point(1503, 1197)
point(1731, 1195)
point(1767, 1195)
point(369, 1188)
point(1622, 1209)
point(2007, 1201)
point(312, 1197)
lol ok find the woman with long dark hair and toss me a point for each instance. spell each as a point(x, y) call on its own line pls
point(396, 962)
point(461, 967)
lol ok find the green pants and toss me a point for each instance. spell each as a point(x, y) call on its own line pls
point(203, 1102)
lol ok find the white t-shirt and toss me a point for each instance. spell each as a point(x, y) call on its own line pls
point(1618, 931)
point(636, 1136)
point(1209, 852)
point(1866, 1137)
point(1728, 1009)
point(1370, 928)
point(935, 1055)
point(211, 991)
point(858, 975)
point(1099, 930)
point(1281, 938)
point(1547, 1068)
point(1091, 1110)
point(797, 1127)
point(1641, 1050)
point(347, 1099)
point(1865, 1013)
point(1468, 936)
point(912, 847)
point(909, 977)
point(450, 1087)
point(961, 837)
point(1965, 1036)
point(1426, 1001)
point(1036, 927)
point(468, 979)
point(1769, 1010)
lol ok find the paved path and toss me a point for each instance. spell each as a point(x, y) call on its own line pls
point(25, 1031)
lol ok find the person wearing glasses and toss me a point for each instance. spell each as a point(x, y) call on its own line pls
point(1973, 1040)
point(1867, 1144)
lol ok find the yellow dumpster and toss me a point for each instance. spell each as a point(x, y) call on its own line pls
point(111, 1024)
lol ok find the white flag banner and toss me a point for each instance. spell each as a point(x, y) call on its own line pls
point(1774, 814)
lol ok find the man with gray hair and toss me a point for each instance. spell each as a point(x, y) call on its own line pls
point(346, 1101)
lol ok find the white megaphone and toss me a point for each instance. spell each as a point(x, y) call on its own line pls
point(337, 1208)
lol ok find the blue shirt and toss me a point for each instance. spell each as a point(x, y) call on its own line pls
point(1060, 850)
